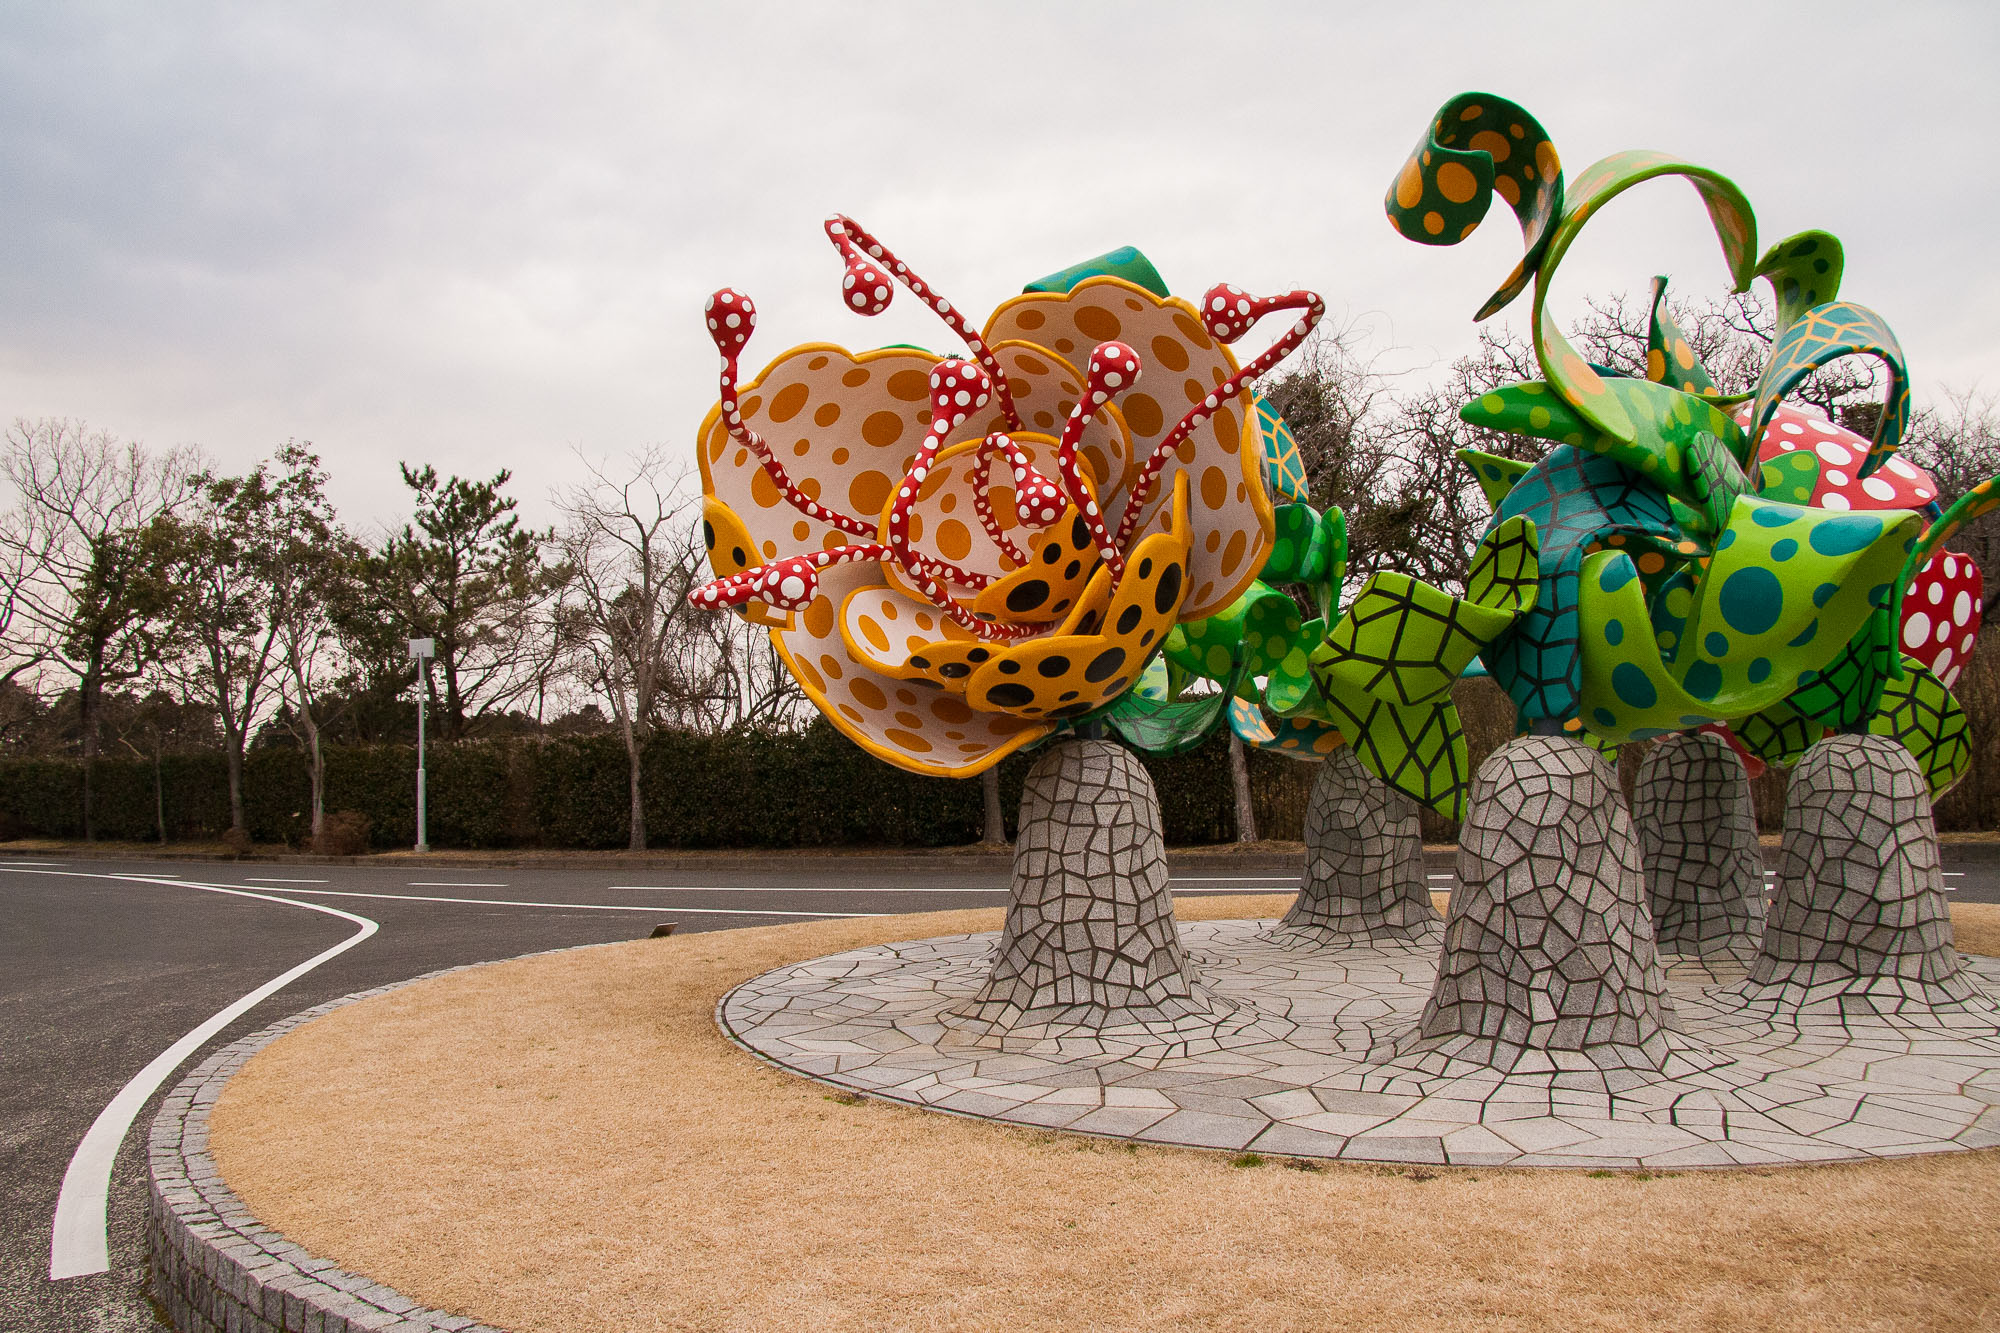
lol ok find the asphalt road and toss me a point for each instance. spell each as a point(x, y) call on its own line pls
point(104, 965)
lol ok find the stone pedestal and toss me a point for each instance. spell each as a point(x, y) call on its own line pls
point(1089, 957)
point(1860, 922)
point(1698, 843)
point(1548, 961)
point(1364, 875)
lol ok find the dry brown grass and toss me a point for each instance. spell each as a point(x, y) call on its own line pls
point(567, 1143)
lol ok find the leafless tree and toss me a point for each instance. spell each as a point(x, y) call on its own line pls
point(81, 593)
point(633, 551)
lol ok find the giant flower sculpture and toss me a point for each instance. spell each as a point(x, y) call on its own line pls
point(1685, 568)
point(959, 555)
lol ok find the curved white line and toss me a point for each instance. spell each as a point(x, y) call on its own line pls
point(79, 1246)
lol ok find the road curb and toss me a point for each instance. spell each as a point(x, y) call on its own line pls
point(214, 1267)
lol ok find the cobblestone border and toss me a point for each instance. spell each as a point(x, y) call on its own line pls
point(214, 1267)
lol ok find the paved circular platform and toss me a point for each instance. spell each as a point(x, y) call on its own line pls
point(1317, 1075)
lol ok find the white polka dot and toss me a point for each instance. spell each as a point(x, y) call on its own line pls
point(1951, 567)
point(1943, 630)
point(1965, 645)
point(1941, 667)
point(1834, 501)
point(1961, 608)
point(1898, 466)
point(1878, 488)
point(1833, 453)
point(1935, 594)
point(1835, 477)
point(1791, 428)
point(1916, 629)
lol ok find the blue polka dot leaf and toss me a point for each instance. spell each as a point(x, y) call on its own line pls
point(1781, 598)
point(1496, 475)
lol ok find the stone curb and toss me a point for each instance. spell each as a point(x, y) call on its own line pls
point(214, 1267)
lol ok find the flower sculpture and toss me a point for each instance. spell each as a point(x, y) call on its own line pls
point(1676, 565)
point(958, 556)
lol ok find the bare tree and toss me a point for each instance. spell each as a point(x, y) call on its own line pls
point(633, 551)
point(81, 593)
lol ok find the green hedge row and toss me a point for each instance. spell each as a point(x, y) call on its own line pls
point(736, 789)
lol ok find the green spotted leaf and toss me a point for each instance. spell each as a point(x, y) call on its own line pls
point(1804, 271)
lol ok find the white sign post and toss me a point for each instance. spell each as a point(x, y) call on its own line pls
point(421, 652)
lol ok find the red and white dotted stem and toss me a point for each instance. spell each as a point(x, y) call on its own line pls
point(1114, 368)
point(867, 291)
point(731, 320)
point(789, 584)
point(958, 389)
point(1227, 313)
point(1038, 501)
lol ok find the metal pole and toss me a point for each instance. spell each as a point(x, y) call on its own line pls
point(422, 844)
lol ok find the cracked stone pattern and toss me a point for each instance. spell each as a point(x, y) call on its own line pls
point(1364, 876)
point(1698, 843)
point(1860, 921)
point(1548, 952)
point(1090, 958)
point(1796, 1089)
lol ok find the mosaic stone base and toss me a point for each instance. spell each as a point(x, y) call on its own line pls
point(1698, 841)
point(1364, 876)
point(1860, 920)
point(1548, 953)
point(1089, 962)
point(1806, 1088)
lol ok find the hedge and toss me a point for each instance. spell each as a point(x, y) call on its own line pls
point(743, 788)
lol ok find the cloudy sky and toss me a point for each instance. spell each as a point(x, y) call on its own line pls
point(480, 235)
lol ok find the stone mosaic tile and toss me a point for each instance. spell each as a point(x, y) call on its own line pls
point(1698, 841)
point(1364, 877)
point(1791, 1086)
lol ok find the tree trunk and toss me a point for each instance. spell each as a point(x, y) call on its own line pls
point(995, 831)
point(632, 755)
point(159, 792)
point(315, 771)
point(87, 687)
point(237, 823)
point(1239, 779)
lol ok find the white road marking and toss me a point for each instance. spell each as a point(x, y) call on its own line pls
point(578, 907)
point(272, 879)
point(1280, 878)
point(30, 863)
point(446, 884)
point(79, 1246)
point(753, 888)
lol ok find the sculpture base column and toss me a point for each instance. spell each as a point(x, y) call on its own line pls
point(1698, 843)
point(1364, 875)
point(1860, 922)
point(1549, 963)
point(1090, 958)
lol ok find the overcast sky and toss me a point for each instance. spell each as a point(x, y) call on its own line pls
point(480, 235)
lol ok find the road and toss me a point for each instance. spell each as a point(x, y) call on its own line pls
point(106, 965)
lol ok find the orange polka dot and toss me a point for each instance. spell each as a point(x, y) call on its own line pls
point(817, 363)
point(801, 530)
point(826, 414)
point(856, 377)
point(870, 491)
point(838, 457)
point(1652, 562)
point(924, 620)
point(831, 664)
point(1097, 322)
point(1033, 365)
point(819, 617)
point(810, 678)
point(787, 402)
point(1192, 331)
point(1227, 432)
point(1487, 141)
point(882, 429)
point(912, 386)
point(1580, 375)
point(1193, 388)
point(1409, 185)
point(1433, 222)
point(1142, 411)
point(763, 490)
point(916, 527)
point(954, 539)
point(809, 487)
point(718, 440)
point(1030, 319)
point(1213, 542)
point(851, 713)
point(908, 696)
point(868, 692)
point(770, 550)
point(948, 502)
point(1457, 183)
point(1508, 189)
point(909, 719)
point(1232, 554)
point(950, 709)
point(1169, 353)
point(889, 612)
point(1214, 487)
point(750, 403)
point(874, 633)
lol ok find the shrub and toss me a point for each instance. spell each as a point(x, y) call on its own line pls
point(342, 833)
